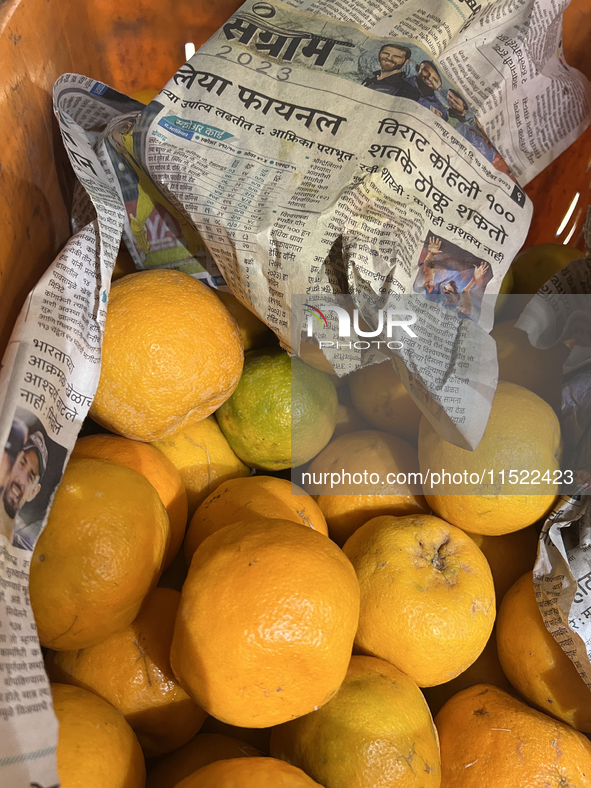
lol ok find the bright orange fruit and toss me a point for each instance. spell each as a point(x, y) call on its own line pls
point(489, 739)
point(427, 596)
point(171, 353)
point(266, 623)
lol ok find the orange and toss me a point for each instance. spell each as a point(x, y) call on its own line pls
point(491, 740)
point(509, 556)
point(254, 332)
point(282, 413)
point(507, 482)
point(131, 670)
point(204, 748)
point(248, 773)
point(538, 370)
point(157, 469)
point(266, 623)
point(145, 96)
point(486, 670)
point(381, 398)
point(250, 499)
point(203, 458)
point(534, 266)
point(346, 513)
point(427, 596)
point(100, 553)
point(377, 732)
point(348, 501)
point(96, 748)
point(171, 353)
point(535, 663)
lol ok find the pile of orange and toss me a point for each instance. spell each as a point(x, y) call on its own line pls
point(206, 624)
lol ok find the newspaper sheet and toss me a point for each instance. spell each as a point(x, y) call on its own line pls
point(562, 574)
point(371, 150)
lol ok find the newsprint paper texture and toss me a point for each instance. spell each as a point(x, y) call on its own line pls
point(308, 148)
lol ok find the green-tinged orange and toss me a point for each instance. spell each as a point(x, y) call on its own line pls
point(533, 266)
point(282, 413)
point(376, 732)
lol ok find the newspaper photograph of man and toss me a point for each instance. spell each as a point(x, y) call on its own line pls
point(428, 81)
point(459, 111)
point(14, 443)
point(27, 482)
point(390, 78)
point(405, 72)
point(452, 277)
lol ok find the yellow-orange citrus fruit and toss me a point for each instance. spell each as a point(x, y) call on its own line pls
point(203, 458)
point(131, 670)
point(380, 396)
point(171, 353)
point(346, 513)
point(535, 663)
point(254, 332)
point(204, 748)
point(510, 480)
point(538, 370)
point(157, 469)
point(266, 623)
point(145, 96)
point(252, 498)
point(427, 596)
point(100, 553)
point(96, 747)
point(249, 773)
point(377, 732)
point(486, 670)
point(535, 265)
point(509, 556)
point(362, 475)
point(282, 413)
point(489, 739)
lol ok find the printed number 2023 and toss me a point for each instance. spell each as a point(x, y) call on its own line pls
point(245, 59)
